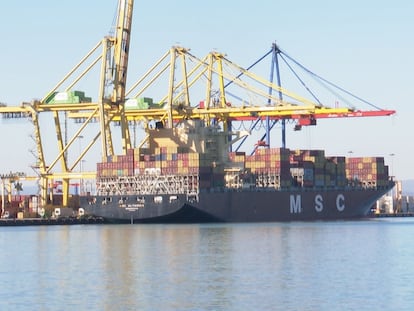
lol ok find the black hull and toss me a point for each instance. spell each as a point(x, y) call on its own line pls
point(242, 206)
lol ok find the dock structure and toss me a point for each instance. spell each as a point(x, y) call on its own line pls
point(51, 221)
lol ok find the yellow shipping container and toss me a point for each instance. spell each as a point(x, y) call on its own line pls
point(183, 170)
point(193, 156)
point(172, 149)
point(367, 159)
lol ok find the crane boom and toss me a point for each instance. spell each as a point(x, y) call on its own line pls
point(121, 49)
point(120, 61)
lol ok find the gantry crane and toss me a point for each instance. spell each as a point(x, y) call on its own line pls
point(114, 64)
point(212, 78)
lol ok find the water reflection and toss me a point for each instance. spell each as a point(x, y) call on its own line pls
point(186, 266)
point(300, 266)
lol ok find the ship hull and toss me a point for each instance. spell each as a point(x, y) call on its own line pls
point(236, 206)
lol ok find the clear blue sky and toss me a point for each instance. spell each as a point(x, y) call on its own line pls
point(364, 46)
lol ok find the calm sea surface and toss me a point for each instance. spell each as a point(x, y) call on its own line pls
point(361, 265)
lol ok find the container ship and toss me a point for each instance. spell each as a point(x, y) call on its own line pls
point(187, 174)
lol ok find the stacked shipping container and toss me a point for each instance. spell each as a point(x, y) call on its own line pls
point(271, 167)
point(164, 161)
point(268, 167)
point(367, 171)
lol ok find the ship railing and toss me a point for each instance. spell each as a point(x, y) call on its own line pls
point(297, 188)
point(174, 184)
point(148, 184)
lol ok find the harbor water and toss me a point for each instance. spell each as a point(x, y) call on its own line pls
point(343, 265)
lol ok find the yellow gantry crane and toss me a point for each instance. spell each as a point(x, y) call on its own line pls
point(114, 64)
point(187, 77)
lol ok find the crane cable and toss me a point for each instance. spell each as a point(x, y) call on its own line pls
point(248, 68)
point(319, 81)
point(301, 81)
point(330, 83)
